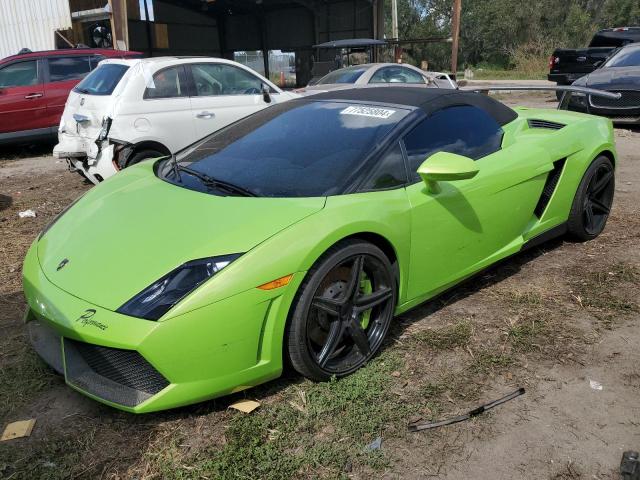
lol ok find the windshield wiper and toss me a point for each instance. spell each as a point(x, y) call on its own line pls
point(216, 183)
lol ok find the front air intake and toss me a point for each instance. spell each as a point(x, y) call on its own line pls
point(549, 187)
point(116, 375)
point(533, 123)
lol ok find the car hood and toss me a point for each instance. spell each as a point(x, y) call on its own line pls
point(620, 78)
point(129, 231)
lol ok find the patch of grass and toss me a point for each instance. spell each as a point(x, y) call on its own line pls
point(604, 290)
point(445, 338)
point(524, 335)
point(525, 299)
point(316, 429)
point(486, 361)
point(484, 74)
point(22, 378)
point(54, 458)
point(433, 390)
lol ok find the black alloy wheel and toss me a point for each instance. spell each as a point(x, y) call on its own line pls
point(343, 313)
point(593, 200)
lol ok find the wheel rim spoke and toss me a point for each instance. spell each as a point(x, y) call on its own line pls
point(601, 184)
point(589, 213)
point(374, 299)
point(327, 305)
point(354, 277)
point(599, 206)
point(333, 339)
point(359, 336)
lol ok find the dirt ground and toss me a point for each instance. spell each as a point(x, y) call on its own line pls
point(561, 320)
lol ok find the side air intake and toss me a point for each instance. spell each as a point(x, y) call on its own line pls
point(549, 187)
point(544, 124)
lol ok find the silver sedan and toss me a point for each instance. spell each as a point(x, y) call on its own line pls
point(379, 74)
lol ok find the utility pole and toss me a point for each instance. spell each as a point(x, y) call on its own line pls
point(455, 34)
point(397, 51)
point(394, 19)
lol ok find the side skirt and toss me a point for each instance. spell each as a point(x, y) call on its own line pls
point(544, 237)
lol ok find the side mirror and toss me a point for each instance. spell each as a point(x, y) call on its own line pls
point(447, 167)
point(266, 93)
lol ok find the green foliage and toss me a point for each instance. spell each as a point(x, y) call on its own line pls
point(507, 34)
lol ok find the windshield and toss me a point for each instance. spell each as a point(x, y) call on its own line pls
point(103, 80)
point(300, 148)
point(344, 75)
point(627, 57)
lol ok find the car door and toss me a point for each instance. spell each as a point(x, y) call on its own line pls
point(63, 73)
point(468, 224)
point(166, 115)
point(22, 102)
point(223, 94)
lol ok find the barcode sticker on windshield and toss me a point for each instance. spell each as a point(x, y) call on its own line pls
point(368, 112)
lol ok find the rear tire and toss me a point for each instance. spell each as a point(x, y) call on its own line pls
point(592, 203)
point(142, 155)
point(330, 330)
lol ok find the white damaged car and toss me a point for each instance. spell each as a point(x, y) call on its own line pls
point(127, 111)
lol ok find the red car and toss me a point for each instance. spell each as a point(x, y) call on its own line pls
point(34, 87)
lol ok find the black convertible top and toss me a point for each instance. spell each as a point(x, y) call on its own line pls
point(427, 99)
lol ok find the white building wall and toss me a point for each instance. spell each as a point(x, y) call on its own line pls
point(31, 24)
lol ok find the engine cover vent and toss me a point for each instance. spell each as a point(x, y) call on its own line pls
point(533, 123)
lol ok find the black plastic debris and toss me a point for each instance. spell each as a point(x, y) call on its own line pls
point(416, 427)
point(630, 466)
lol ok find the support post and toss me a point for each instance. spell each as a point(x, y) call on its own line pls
point(394, 19)
point(455, 34)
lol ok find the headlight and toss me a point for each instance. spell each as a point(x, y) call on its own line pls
point(578, 98)
point(154, 301)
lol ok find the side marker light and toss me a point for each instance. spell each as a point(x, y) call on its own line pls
point(279, 282)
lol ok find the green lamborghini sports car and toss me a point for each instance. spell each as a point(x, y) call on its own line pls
point(296, 234)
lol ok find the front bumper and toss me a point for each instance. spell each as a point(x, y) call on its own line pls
point(617, 116)
point(143, 366)
point(84, 156)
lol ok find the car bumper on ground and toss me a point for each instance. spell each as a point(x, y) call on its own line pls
point(142, 366)
point(84, 156)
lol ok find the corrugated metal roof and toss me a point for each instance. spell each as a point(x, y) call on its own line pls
point(31, 24)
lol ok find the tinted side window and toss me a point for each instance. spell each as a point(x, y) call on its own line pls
point(68, 68)
point(221, 79)
point(465, 130)
point(21, 74)
point(396, 75)
point(167, 83)
point(389, 172)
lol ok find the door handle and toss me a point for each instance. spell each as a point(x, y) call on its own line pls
point(205, 115)
point(33, 95)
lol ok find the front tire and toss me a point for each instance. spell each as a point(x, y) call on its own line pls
point(342, 312)
point(592, 203)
